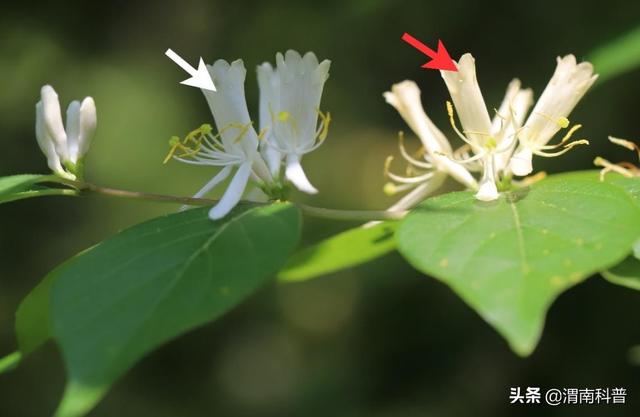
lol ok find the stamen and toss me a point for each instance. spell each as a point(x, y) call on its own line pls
point(410, 180)
point(532, 179)
point(562, 122)
point(504, 118)
point(174, 142)
point(609, 166)
point(566, 149)
point(199, 146)
point(401, 179)
point(626, 143)
point(283, 116)
point(569, 133)
point(467, 160)
point(392, 189)
point(455, 128)
point(325, 121)
point(408, 157)
point(286, 118)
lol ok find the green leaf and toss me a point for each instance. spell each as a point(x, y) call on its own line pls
point(347, 249)
point(32, 325)
point(121, 299)
point(9, 362)
point(18, 187)
point(626, 273)
point(617, 57)
point(509, 259)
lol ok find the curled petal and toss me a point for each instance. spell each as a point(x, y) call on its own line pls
point(234, 192)
point(217, 179)
point(521, 162)
point(405, 98)
point(296, 175)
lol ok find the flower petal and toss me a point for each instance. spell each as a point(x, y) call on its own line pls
point(509, 119)
point(233, 194)
point(88, 124)
point(521, 164)
point(567, 86)
point(269, 84)
point(487, 190)
point(73, 130)
point(467, 99)
point(46, 143)
point(217, 179)
point(52, 117)
point(229, 107)
point(405, 98)
point(296, 175)
point(300, 81)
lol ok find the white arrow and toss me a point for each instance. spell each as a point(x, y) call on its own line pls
point(200, 77)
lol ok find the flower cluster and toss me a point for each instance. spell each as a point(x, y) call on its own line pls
point(498, 148)
point(63, 146)
point(292, 125)
point(289, 128)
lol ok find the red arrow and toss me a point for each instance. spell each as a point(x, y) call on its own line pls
point(439, 60)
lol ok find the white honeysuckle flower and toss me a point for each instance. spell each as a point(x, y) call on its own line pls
point(495, 147)
point(468, 101)
point(567, 86)
point(64, 148)
point(492, 142)
point(235, 145)
point(289, 108)
point(289, 100)
point(405, 98)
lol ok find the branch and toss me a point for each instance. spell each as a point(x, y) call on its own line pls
point(320, 212)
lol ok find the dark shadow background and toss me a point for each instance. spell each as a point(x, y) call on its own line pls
point(380, 340)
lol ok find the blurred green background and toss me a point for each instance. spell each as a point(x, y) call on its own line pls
point(379, 340)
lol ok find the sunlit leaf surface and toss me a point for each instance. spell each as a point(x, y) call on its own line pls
point(510, 259)
point(347, 249)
